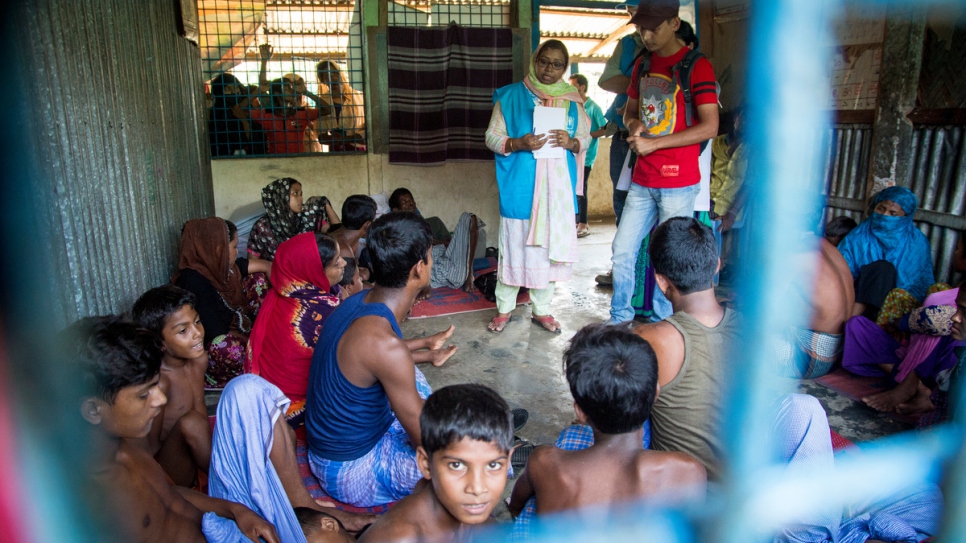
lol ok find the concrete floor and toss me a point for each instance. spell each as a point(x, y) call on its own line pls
point(524, 362)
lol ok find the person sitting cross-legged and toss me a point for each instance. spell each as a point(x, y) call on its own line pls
point(365, 393)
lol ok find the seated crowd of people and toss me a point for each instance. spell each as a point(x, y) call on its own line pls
point(304, 336)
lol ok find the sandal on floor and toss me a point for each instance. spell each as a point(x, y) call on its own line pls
point(547, 321)
point(520, 418)
point(583, 233)
point(498, 323)
point(520, 455)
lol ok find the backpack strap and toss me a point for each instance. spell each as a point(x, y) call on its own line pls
point(681, 73)
point(645, 57)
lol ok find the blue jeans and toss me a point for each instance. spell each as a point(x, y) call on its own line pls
point(642, 208)
point(618, 151)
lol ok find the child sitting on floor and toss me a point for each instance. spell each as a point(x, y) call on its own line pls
point(116, 365)
point(613, 378)
point(467, 436)
point(351, 279)
point(180, 438)
point(320, 527)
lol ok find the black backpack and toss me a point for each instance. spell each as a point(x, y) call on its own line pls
point(680, 74)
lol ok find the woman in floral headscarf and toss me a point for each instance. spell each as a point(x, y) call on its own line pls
point(286, 216)
point(538, 237)
point(305, 290)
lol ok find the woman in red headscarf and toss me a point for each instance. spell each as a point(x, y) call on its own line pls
point(305, 291)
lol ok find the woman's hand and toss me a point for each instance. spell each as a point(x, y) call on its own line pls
point(560, 138)
point(527, 143)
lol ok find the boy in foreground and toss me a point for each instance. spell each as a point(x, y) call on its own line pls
point(118, 365)
point(613, 379)
point(467, 436)
point(180, 437)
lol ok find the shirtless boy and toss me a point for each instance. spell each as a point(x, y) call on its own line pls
point(358, 212)
point(180, 437)
point(365, 393)
point(612, 374)
point(118, 365)
point(467, 436)
point(830, 297)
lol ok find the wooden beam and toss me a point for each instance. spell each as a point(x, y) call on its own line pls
point(938, 117)
point(252, 56)
point(853, 116)
point(590, 14)
point(614, 36)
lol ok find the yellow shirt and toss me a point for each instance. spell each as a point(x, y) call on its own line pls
point(727, 174)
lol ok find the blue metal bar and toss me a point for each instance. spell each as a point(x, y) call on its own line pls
point(535, 26)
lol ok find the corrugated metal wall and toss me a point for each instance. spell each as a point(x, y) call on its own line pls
point(939, 181)
point(118, 133)
point(847, 161)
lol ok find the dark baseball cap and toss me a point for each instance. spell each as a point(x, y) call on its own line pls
point(651, 13)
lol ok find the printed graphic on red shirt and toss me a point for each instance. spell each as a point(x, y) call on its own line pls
point(661, 108)
point(659, 104)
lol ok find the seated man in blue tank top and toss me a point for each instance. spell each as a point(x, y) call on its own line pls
point(365, 393)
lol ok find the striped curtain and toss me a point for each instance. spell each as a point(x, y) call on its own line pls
point(441, 84)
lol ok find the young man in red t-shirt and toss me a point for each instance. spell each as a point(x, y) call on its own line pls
point(666, 176)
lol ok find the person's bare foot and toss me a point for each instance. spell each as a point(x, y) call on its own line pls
point(469, 285)
point(888, 401)
point(436, 341)
point(920, 403)
point(438, 357)
point(425, 293)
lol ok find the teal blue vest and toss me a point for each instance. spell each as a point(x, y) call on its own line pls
point(516, 173)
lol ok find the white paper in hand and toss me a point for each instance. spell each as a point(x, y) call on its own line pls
point(546, 119)
point(624, 181)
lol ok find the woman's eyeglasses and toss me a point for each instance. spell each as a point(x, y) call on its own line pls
point(542, 63)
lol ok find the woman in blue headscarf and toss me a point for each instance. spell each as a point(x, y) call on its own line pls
point(887, 251)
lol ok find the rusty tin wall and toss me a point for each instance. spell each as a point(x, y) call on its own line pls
point(118, 134)
point(938, 180)
point(846, 169)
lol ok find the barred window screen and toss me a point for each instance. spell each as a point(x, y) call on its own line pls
point(466, 13)
point(283, 77)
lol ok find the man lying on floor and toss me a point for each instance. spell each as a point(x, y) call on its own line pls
point(452, 255)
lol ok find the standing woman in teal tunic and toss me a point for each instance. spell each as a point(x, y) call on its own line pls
point(538, 238)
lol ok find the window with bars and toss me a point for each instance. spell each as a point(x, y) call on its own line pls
point(285, 77)
point(468, 13)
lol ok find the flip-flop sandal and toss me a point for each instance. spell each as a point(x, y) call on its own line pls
point(547, 320)
point(500, 322)
point(520, 455)
point(520, 418)
point(583, 233)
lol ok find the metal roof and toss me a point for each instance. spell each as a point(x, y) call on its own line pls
point(589, 34)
